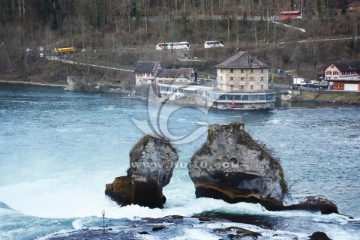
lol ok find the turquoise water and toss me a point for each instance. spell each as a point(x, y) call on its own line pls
point(58, 150)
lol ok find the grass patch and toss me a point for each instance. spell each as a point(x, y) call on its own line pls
point(339, 97)
point(345, 97)
point(307, 96)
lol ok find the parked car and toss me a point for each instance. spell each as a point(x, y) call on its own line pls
point(316, 83)
point(29, 52)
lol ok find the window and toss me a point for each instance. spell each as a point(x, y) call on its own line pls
point(251, 87)
point(251, 78)
point(242, 70)
point(231, 87)
point(270, 97)
point(262, 70)
point(242, 87)
point(262, 79)
point(242, 78)
point(262, 86)
point(252, 70)
point(231, 70)
point(231, 78)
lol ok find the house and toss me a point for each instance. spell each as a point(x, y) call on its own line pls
point(344, 76)
point(352, 85)
point(243, 72)
point(186, 75)
point(285, 15)
point(243, 84)
point(354, 6)
point(146, 71)
point(349, 70)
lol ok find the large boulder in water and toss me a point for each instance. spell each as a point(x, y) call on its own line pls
point(152, 161)
point(233, 167)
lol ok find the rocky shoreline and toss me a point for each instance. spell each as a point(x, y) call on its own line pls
point(219, 225)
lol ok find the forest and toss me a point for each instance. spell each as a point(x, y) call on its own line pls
point(118, 33)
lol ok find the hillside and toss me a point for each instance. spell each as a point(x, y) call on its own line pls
point(119, 33)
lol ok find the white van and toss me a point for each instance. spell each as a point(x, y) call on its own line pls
point(299, 81)
point(212, 44)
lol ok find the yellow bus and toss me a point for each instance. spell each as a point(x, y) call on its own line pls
point(65, 50)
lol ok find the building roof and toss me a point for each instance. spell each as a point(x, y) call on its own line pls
point(185, 73)
point(176, 73)
point(348, 66)
point(354, 4)
point(290, 12)
point(167, 73)
point(146, 67)
point(242, 60)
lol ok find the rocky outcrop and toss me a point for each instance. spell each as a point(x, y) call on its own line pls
point(322, 204)
point(152, 161)
point(233, 167)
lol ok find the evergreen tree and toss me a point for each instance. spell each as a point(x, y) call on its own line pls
point(292, 5)
point(319, 8)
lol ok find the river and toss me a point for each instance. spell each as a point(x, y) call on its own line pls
point(58, 150)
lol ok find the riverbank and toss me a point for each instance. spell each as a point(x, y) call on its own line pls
point(33, 83)
point(319, 99)
point(351, 98)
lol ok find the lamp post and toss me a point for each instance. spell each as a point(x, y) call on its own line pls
point(103, 215)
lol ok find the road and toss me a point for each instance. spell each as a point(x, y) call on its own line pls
point(54, 58)
point(289, 26)
point(206, 18)
point(320, 40)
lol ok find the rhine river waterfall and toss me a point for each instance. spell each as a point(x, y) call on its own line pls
point(58, 150)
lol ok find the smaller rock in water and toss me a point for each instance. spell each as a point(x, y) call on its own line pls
point(322, 204)
point(319, 236)
point(158, 228)
point(152, 161)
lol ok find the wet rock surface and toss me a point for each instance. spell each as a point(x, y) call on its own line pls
point(218, 226)
point(319, 236)
point(322, 204)
point(233, 167)
point(152, 161)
